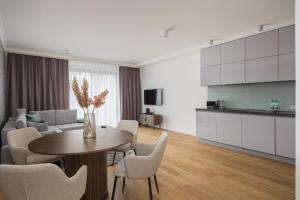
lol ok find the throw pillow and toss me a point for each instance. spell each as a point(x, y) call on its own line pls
point(34, 118)
point(39, 126)
point(21, 121)
point(20, 111)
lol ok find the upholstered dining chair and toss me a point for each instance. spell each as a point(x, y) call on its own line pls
point(142, 164)
point(131, 126)
point(41, 182)
point(18, 141)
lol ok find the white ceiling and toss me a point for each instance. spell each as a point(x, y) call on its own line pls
point(129, 31)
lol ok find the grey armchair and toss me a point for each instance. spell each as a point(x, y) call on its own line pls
point(131, 126)
point(41, 182)
point(18, 141)
point(142, 164)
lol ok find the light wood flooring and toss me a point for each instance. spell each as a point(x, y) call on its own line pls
point(194, 171)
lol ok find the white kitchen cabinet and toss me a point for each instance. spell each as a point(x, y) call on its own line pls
point(206, 125)
point(262, 70)
point(210, 75)
point(258, 133)
point(233, 73)
point(262, 45)
point(285, 137)
point(229, 129)
point(287, 39)
point(210, 56)
point(287, 67)
point(233, 51)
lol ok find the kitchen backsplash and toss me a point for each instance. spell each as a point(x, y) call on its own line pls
point(254, 96)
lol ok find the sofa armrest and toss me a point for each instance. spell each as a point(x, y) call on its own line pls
point(9, 126)
point(6, 156)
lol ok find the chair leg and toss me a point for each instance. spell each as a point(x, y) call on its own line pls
point(114, 189)
point(150, 188)
point(124, 179)
point(114, 158)
point(156, 183)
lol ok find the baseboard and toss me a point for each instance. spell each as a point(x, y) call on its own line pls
point(256, 153)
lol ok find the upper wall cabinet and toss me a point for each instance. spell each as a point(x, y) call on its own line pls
point(210, 56)
point(233, 73)
point(233, 51)
point(265, 57)
point(210, 75)
point(287, 40)
point(287, 67)
point(262, 45)
point(262, 70)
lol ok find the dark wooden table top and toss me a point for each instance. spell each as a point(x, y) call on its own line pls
point(73, 143)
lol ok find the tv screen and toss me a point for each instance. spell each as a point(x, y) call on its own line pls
point(153, 97)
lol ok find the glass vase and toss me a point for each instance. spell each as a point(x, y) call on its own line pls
point(89, 126)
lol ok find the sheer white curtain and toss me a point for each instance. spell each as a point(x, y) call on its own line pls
point(100, 77)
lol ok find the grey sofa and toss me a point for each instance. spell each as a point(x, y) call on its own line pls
point(57, 120)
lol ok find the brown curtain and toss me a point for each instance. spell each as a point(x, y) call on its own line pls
point(130, 93)
point(36, 83)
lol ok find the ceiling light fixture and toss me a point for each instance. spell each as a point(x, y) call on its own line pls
point(211, 42)
point(165, 32)
point(262, 26)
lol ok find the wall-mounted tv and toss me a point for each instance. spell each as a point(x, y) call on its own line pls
point(153, 97)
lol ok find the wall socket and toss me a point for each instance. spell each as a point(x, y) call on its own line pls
point(292, 107)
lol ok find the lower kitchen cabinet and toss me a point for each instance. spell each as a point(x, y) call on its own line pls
point(259, 133)
point(285, 137)
point(229, 129)
point(206, 125)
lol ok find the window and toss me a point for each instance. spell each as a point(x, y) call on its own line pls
point(100, 77)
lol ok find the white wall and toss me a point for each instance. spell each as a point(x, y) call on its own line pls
point(180, 80)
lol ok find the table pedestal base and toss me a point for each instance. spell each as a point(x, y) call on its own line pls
point(96, 188)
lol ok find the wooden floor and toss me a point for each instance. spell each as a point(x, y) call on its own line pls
point(192, 170)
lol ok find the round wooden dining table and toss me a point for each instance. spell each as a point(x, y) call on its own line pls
point(78, 151)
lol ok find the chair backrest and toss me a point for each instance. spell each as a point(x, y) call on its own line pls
point(20, 138)
point(131, 126)
point(41, 181)
point(158, 152)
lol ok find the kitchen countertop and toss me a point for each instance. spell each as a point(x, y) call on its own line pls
point(250, 111)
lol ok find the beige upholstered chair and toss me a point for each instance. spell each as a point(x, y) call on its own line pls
point(131, 126)
point(142, 165)
point(41, 182)
point(18, 141)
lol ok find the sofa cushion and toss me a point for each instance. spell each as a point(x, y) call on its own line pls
point(39, 126)
point(9, 126)
point(73, 126)
point(66, 117)
point(46, 115)
point(20, 111)
point(21, 121)
point(34, 118)
point(54, 128)
point(49, 132)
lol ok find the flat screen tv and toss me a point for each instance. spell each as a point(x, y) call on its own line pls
point(153, 97)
